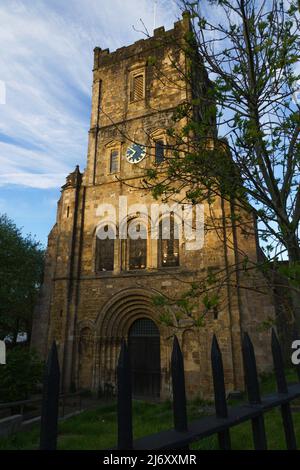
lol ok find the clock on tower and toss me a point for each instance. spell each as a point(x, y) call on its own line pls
point(135, 153)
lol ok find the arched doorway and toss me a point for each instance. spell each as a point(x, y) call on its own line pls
point(144, 349)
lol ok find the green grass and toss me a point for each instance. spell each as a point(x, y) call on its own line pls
point(96, 429)
point(241, 436)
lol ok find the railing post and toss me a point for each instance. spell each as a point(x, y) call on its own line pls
point(178, 386)
point(49, 417)
point(124, 399)
point(258, 425)
point(283, 388)
point(219, 391)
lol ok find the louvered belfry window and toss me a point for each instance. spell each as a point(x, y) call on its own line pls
point(138, 87)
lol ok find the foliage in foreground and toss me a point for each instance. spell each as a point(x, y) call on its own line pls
point(97, 429)
point(20, 375)
point(21, 269)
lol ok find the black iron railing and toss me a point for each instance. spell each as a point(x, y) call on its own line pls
point(185, 433)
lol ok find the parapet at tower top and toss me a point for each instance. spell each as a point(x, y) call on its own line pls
point(103, 56)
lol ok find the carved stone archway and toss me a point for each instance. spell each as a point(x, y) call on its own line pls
point(113, 324)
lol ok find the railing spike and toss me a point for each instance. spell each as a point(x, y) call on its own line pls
point(125, 437)
point(278, 364)
point(282, 387)
point(178, 385)
point(258, 426)
point(219, 391)
point(218, 379)
point(250, 371)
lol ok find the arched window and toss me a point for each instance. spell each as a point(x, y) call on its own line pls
point(134, 247)
point(168, 243)
point(137, 258)
point(105, 252)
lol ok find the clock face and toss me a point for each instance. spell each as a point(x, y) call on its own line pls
point(135, 153)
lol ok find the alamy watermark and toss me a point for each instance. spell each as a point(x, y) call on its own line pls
point(179, 221)
point(296, 354)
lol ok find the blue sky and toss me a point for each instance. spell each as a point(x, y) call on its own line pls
point(46, 56)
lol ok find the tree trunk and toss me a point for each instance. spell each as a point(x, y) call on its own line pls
point(293, 248)
point(294, 260)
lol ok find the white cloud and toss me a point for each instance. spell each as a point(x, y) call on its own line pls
point(41, 181)
point(46, 54)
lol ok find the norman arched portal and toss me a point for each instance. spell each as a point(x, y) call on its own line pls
point(131, 314)
point(144, 349)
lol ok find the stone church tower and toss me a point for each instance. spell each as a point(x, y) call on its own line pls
point(97, 291)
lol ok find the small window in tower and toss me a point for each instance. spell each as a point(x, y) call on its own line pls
point(137, 92)
point(159, 151)
point(114, 161)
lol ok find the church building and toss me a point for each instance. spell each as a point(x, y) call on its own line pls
point(97, 290)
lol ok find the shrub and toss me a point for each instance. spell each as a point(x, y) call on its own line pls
point(20, 375)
